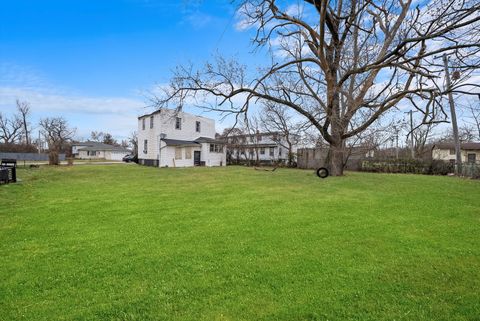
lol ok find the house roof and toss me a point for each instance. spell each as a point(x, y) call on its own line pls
point(89, 143)
point(258, 134)
point(110, 148)
point(95, 146)
point(255, 145)
point(173, 111)
point(178, 142)
point(196, 142)
point(209, 140)
point(465, 146)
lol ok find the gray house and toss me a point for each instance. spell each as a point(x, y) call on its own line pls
point(97, 150)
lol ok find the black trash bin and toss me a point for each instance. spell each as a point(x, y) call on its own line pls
point(10, 165)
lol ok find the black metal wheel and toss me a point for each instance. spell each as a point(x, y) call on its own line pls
point(322, 172)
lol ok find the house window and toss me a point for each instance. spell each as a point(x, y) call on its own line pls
point(188, 153)
point(145, 146)
point(197, 126)
point(151, 121)
point(214, 148)
point(262, 151)
point(178, 153)
point(178, 123)
point(91, 153)
point(143, 123)
point(279, 151)
point(471, 158)
point(259, 138)
point(452, 151)
point(251, 151)
point(272, 151)
point(251, 139)
point(274, 137)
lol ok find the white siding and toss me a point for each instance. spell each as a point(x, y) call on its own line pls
point(212, 158)
point(85, 155)
point(115, 155)
point(164, 123)
point(168, 157)
point(444, 154)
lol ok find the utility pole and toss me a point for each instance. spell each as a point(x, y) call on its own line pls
point(412, 145)
point(458, 156)
point(396, 141)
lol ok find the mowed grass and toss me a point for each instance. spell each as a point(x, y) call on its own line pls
point(122, 242)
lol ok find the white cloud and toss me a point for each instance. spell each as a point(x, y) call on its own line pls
point(116, 115)
point(48, 102)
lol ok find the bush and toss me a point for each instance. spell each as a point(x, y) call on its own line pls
point(411, 166)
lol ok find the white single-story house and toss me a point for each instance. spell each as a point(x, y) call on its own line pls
point(97, 150)
point(169, 138)
point(470, 152)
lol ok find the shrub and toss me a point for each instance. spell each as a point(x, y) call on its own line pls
point(412, 166)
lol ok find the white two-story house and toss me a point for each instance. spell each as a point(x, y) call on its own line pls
point(167, 138)
point(262, 147)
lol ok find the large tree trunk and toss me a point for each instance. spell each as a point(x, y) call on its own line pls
point(336, 150)
point(53, 158)
point(290, 155)
point(335, 162)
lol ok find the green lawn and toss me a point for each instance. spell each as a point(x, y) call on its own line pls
point(123, 242)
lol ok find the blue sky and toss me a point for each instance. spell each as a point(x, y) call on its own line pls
point(92, 61)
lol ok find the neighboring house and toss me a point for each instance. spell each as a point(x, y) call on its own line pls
point(266, 147)
point(97, 150)
point(470, 152)
point(167, 138)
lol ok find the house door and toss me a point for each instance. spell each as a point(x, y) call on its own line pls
point(471, 158)
point(196, 158)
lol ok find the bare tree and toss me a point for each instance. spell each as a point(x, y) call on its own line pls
point(23, 109)
point(97, 136)
point(276, 118)
point(250, 127)
point(475, 113)
point(341, 64)
point(108, 139)
point(465, 134)
point(133, 140)
point(422, 135)
point(10, 129)
point(124, 143)
point(233, 138)
point(57, 133)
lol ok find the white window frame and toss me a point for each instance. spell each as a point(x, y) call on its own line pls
point(216, 148)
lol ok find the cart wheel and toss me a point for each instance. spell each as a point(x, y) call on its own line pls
point(322, 172)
